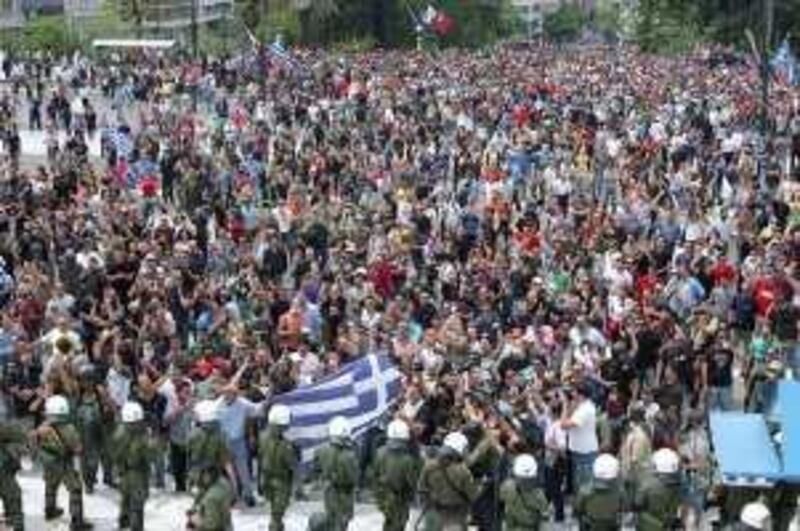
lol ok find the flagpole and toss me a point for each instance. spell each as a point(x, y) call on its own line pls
point(769, 8)
point(194, 52)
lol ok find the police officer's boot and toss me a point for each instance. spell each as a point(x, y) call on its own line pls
point(51, 511)
point(76, 512)
point(80, 525)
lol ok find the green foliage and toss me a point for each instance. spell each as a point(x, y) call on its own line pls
point(387, 23)
point(46, 33)
point(670, 26)
point(565, 23)
point(277, 19)
point(607, 19)
point(477, 22)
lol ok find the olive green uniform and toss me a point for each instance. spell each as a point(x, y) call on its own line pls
point(213, 508)
point(207, 449)
point(278, 460)
point(12, 444)
point(338, 464)
point(58, 447)
point(396, 473)
point(599, 507)
point(525, 505)
point(133, 456)
point(447, 489)
point(96, 427)
point(657, 504)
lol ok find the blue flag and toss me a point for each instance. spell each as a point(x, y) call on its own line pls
point(784, 64)
point(362, 391)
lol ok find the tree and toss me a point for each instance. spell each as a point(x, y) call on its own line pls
point(46, 32)
point(671, 26)
point(565, 23)
point(607, 19)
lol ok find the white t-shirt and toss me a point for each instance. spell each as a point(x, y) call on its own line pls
point(583, 437)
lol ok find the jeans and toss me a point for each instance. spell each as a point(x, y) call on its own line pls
point(241, 462)
point(554, 479)
point(582, 468)
point(178, 456)
point(720, 398)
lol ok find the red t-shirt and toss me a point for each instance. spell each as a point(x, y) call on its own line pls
point(722, 273)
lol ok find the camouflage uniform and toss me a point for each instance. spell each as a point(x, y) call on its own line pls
point(483, 461)
point(396, 473)
point(599, 507)
point(12, 441)
point(278, 460)
point(657, 504)
point(133, 455)
point(338, 463)
point(88, 421)
point(207, 449)
point(212, 511)
point(525, 505)
point(59, 446)
point(447, 489)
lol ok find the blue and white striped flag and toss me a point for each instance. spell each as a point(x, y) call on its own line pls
point(277, 50)
point(784, 64)
point(362, 391)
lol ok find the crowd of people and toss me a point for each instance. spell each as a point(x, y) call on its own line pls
point(572, 256)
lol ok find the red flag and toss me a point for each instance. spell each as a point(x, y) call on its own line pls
point(443, 24)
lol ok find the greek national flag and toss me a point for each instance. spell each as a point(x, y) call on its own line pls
point(361, 391)
point(784, 64)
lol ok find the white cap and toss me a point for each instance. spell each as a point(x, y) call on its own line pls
point(398, 430)
point(339, 428)
point(206, 411)
point(56, 406)
point(525, 467)
point(755, 515)
point(132, 412)
point(666, 461)
point(279, 415)
point(606, 467)
point(457, 442)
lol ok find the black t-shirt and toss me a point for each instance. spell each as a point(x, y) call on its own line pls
point(720, 367)
point(649, 342)
point(670, 395)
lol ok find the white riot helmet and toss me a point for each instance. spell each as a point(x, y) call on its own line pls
point(605, 467)
point(457, 442)
point(56, 406)
point(666, 461)
point(525, 467)
point(132, 412)
point(206, 411)
point(279, 415)
point(339, 428)
point(398, 430)
point(756, 515)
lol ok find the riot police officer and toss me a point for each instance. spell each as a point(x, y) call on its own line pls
point(207, 448)
point(212, 510)
point(659, 499)
point(447, 488)
point(59, 445)
point(338, 464)
point(12, 444)
point(278, 460)
point(599, 506)
point(525, 503)
point(755, 516)
point(133, 453)
point(397, 468)
point(483, 461)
